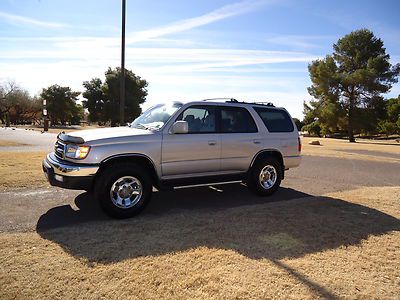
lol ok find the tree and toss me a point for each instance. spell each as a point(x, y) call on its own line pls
point(61, 104)
point(393, 109)
point(330, 115)
point(103, 98)
point(6, 91)
point(299, 124)
point(16, 105)
point(357, 72)
point(391, 124)
point(313, 128)
point(95, 102)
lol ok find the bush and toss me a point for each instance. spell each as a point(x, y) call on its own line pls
point(387, 127)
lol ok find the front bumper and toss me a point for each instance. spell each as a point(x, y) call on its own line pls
point(68, 175)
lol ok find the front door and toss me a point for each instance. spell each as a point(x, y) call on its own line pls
point(197, 152)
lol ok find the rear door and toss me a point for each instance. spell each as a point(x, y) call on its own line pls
point(197, 152)
point(240, 139)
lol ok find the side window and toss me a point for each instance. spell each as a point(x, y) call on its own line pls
point(275, 120)
point(236, 120)
point(201, 119)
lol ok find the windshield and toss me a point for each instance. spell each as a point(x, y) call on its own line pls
point(155, 117)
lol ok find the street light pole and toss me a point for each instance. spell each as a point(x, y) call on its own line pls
point(122, 83)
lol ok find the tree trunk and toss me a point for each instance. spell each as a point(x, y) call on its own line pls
point(350, 121)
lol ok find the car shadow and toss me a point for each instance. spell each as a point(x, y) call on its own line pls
point(288, 224)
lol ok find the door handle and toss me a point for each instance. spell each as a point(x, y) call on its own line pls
point(256, 141)
point(212, 143)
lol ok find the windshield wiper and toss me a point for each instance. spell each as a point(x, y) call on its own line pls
point(140, 126)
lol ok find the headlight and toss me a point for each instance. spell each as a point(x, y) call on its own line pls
point(75, 151)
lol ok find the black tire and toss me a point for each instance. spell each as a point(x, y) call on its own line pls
point(114, 174)
point(254, 182)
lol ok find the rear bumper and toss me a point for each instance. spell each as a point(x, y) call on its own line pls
point(67, 175)
point(292, 161)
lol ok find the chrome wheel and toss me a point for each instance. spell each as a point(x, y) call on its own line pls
point(126, 192)
point(267, 177)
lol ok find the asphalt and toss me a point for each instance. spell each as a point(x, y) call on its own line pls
point(49, 208)
point(33, 140)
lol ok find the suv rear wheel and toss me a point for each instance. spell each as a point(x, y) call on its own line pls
point(265, 176)
point(124, 190)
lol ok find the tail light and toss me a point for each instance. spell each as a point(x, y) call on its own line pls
point(299, 144)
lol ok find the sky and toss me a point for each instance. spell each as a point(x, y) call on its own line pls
point(251, 50)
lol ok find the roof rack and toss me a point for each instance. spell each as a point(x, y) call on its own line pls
point(233, 100)
point(224, 99)
point(263, 103)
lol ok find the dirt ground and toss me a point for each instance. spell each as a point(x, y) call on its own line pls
point(332, 245)
point(362, 150)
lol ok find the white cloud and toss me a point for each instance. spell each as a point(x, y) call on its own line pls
point(302, 41)
point(16, 19)
point(221, 13)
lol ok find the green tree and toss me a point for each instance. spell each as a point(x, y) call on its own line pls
point(313, 128)
point(299, 124)
point(386, 127)
point(330, 115)
point(358, 71)
point(61, 104)
point(391, 124)
point(103, 98)
point(393, 109)
point(95, 100)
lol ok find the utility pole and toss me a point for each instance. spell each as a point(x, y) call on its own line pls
point(122, 83)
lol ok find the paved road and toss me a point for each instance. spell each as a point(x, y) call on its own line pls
point(35, 140)
point(21, 209)
point(52, 207)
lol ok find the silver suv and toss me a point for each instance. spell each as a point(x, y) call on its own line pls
point(177, 144)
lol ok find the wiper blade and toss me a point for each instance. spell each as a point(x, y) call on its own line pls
point(142, 126)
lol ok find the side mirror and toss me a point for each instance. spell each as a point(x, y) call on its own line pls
point(180, 127)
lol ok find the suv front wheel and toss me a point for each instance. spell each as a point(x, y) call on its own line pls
point(265, 176)
point(124, 190)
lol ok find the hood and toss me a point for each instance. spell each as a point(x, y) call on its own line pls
point(107, 133)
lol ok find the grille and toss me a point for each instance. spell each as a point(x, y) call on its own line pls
point(59, 149)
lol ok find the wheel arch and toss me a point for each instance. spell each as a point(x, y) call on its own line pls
point(141, 159)
point(268, 153)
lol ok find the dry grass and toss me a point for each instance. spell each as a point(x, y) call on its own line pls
point(21, 169)
point(346, 245)
point(362, 150)
point(6, 143)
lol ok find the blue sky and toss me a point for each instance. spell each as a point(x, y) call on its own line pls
point(187, 50)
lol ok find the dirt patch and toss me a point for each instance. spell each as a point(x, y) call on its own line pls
point(21, 169)
point(344, 245)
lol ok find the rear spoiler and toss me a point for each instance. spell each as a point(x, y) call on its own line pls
point(70, 139)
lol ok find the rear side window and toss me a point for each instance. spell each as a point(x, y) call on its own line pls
point(236, 120)
point(275, 120)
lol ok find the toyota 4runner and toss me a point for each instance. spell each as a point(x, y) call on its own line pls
point(177, 144)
